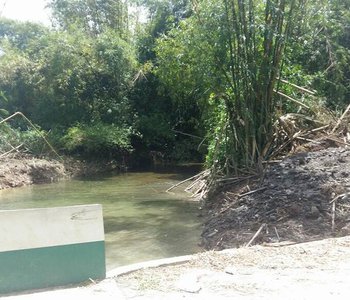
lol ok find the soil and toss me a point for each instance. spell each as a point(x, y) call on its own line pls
point(302, 271)
point(313, 270)
point(26, 170)
point(290, 202)
point(16, 172)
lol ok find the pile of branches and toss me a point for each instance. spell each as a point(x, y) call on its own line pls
point(298, 133)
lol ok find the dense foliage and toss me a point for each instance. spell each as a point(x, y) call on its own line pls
point(199, 78)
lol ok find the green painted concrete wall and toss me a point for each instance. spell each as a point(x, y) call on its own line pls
point(51, 266)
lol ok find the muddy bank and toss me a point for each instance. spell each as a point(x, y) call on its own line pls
point(16, 172)
point(26, 171)
point(293, 200)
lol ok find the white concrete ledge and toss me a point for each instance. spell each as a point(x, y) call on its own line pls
point(149, 264)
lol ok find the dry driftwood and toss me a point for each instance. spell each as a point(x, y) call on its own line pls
point(333, 216)
point(256, 235)
point(341, 119)
point(252, 192)
point(197, 177)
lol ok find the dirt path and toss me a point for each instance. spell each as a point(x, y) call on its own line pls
point(319, 269)
point(302, 271)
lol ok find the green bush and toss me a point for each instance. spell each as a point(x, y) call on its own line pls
point(97, 139)
point(30, 140)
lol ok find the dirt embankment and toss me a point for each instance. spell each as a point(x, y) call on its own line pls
point(26, 171)
point(16, 172)
point(303, 197)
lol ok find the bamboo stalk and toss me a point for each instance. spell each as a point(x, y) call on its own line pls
point(297, 87)
point(341, 119)
point(333, 216)
point(292, 99)
point(256, 235)
point(186, 180)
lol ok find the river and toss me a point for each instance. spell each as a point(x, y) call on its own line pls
point(142, 221)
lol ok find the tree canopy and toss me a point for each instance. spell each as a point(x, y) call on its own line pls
point(199, 80)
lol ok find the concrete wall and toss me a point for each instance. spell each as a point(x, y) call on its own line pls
point(47, 247)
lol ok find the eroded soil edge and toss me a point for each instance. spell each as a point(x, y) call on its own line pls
point(293, 199)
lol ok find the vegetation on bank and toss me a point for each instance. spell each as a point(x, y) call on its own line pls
point(200, 80)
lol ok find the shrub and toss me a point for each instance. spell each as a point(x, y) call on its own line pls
point(97, 139)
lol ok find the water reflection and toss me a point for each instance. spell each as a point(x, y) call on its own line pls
point(142, 222)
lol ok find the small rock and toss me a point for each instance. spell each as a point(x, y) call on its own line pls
point(190, 282)
point(231, 270)
point(315, 213)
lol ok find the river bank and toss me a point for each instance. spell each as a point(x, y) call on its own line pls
point(27, 170)
point(302, 197)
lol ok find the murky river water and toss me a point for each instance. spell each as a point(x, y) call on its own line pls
point(142, 221)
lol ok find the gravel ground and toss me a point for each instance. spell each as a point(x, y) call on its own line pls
point(300, 271)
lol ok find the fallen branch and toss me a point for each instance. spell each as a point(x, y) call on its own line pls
point(252, 192)
point(186, 180)
point(187, 134)
point(199, 189)
point(12, 150)
point(256, 235)
point(333, 216)
point(307, 140)
point(319, 128)
point(278, 236)
point(235, 179)
point(336, 198)
point(337, 141)
point(341, 119)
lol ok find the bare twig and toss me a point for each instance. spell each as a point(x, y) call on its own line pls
point(336, 198)
point(200, 189)
point(337, 140)
point(307, 140)
point(333, 216)
point(278, 236)
point(252, 192)
point(319, 128)
point(12, 150)
point(292, 99)
point(186, 180)
point(297, 87)
point(256, 235)
point(187, 134)
point(341, 119)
